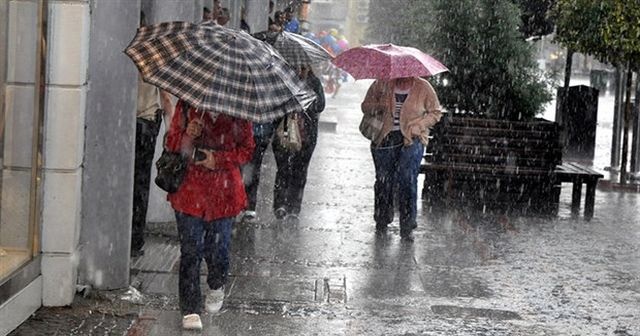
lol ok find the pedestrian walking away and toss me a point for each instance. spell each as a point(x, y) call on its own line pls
point(215, 134)
point(405, 109)
point(205, 204)
point(299, 52)
point(291, 175)
point(152, 106)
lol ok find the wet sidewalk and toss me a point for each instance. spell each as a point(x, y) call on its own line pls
point(329, 274)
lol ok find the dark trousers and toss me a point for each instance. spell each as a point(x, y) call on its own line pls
point(200, 239)
point(291, 176)
point(146, 134)
point(262, 135)
point(397, 166)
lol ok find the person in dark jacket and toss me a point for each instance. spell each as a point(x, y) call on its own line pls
point(210, 196)
point(291, 175)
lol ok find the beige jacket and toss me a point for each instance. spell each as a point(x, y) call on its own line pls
point(420, 111)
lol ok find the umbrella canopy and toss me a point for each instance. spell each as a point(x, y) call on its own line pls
point(387, 61)
point(296, 49)
point(299, 50)
point(219, 69)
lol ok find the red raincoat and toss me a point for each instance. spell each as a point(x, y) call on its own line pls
point(205, 193)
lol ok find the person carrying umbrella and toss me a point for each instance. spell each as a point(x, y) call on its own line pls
point(409, 107)
point(224, 79)
point(300, 52)
point(398, 111)
point(207, 201)
point(291, 174)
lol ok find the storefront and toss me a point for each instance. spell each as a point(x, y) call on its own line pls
point(67, 129)
point(22, 72)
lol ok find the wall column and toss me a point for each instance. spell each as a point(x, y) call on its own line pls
point(66, 93)
point(107, 178)
point(157, 11)
point(257, 15)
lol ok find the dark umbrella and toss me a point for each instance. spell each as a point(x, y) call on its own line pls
point(298, 50)
point(219, 69)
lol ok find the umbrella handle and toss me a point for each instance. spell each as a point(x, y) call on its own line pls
point(201, 115)
point(285, 126)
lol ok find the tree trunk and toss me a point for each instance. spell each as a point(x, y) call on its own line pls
point(635, 141)
point(561, 99)
point(617, 119)
point(625, 131)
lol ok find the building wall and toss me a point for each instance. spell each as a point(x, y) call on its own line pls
point(4, 7)
point(159, 210)
point(107, 191)
point(107, 179)
point(64, 142)
point(257, 15)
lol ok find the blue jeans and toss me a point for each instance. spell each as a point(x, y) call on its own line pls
point(200, 239)
point(397, 166)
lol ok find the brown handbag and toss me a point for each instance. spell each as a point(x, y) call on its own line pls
point(371, 124)
point(288, 133)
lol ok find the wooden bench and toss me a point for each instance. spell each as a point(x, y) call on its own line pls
point(577, 175)
point(491, 165)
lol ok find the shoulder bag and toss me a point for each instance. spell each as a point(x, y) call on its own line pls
point(172, 166)
point(288, 133)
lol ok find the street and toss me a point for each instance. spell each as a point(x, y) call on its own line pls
point(330, 274)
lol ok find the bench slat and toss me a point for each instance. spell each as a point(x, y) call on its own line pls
point(505, 133)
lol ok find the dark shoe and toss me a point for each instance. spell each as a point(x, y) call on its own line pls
point(292, 219)
point(137, 253)
point(280, 213)
point(380, 227)
point(406, 235)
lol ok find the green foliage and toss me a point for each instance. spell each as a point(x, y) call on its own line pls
point(607, 29)
point(492, 70)
point(535, 18)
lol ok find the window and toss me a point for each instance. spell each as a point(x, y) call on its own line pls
point(18, 101)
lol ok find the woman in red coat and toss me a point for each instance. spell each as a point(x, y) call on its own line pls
point(210, 196)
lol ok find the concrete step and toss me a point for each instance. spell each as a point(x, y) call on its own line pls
point(328, 120)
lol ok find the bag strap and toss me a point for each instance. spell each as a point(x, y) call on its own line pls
point(285, 126)
point(185, 116)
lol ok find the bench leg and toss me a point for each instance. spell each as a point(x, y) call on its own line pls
point(554, 202)
point(575, 197)
point(590, 199)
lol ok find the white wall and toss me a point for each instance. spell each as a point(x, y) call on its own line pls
point(68, 43)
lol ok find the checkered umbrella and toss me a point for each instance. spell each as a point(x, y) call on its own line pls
point(219, 69)
point(298, 50)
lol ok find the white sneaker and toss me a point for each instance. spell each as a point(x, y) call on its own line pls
point(192, 322)
point(250, 216)
point(213, 302)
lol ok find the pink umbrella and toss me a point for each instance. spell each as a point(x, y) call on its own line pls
point(387, 61)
